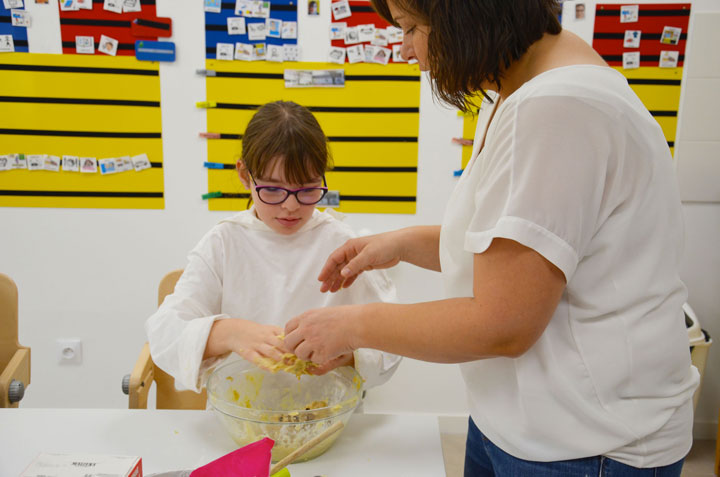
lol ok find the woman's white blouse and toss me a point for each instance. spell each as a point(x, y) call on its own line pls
point(576, 168)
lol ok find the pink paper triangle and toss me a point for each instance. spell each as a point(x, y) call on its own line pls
point(253, 460)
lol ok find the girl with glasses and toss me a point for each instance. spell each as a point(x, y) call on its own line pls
point(257, 269)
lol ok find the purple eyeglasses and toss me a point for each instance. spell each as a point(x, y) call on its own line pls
point(273, 195)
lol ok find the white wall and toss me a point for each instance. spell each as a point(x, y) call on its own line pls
point(93, 274)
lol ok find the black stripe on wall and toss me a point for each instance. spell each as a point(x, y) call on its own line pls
point(142, 2)
point(86, 101)
point(654, 82)
point(655, 58)
point(381, 78)
point(108, 134)
point(354, 169)
point(609, 12)
point(367, 198)
point(664, 113)
point(71, 193)
point(378, 198)
point(278, 76)
point(227, 74)
point(621, 36)
point(372, 169)
point(79, 69)
point(121, 46)
point(347, 138)
point(372, 138)
point(95, 22)
point(273, 8)
point(328, 109)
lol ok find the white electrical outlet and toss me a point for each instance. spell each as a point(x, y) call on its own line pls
point(69, 351)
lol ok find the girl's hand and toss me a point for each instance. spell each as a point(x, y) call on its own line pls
point(322, 335)
point(248, 339)
point(357, 255)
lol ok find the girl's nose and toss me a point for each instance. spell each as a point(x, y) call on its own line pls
point(291, 203)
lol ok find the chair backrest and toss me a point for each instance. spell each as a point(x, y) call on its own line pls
point(14, 358)
point(8, 320)
point(167, 397)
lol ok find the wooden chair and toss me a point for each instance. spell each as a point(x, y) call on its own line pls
point(137, 384)
point(14, 359)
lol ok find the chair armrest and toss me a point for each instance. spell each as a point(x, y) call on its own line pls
point(141, 379)
point(18, 369)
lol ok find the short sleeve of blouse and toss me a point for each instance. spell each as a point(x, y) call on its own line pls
point(542, 177)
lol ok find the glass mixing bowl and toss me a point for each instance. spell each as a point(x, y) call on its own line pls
point(253, 403)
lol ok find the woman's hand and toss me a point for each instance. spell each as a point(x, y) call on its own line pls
point(357, 255)
point(343, 360)
point(248, 339)
point(323, 335)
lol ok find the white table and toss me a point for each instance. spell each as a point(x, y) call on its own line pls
point(395, 445)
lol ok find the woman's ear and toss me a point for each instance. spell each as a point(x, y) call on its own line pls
point(243, 174)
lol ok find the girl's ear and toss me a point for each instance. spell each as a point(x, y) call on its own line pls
point(243, 174)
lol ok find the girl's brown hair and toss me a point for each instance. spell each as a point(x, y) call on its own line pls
point(286, 131)
point(471, 42)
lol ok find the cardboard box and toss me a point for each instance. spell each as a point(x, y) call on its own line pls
point(84, 465)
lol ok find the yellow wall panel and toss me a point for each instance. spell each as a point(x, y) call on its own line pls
point(658, 98)
point(234, 121)
point(669, 126)
point(86, 106)
point(659, 90)
point(376, 154)
point(117, 83)
point(376, 103)
point(85, 118)
point(375, 93)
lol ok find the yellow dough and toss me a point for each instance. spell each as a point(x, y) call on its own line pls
point(289, 363)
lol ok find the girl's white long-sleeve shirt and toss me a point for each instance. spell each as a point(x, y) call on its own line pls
point(243, 269)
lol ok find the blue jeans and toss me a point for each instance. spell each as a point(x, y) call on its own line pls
point(485, 459)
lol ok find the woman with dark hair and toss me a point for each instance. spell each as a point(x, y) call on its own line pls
point(559, 253)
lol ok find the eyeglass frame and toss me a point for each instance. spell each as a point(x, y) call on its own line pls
point(289, 192)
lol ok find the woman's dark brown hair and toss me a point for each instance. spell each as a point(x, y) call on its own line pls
point(287, 131)
point(471, 42)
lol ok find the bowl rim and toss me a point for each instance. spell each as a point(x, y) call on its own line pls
point(300, 412)
point(286, 423)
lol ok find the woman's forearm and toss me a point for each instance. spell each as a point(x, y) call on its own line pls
point(446, 331)
point(420, 246)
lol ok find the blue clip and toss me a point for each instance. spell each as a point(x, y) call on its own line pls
point(458, 173)
point(214, 165)
point(146, 50)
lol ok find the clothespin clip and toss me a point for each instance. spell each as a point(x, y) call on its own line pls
point(214, 165)
point(212, 195)
point(208, 135)
point(458, 172)
point(206, 72)
point(206, 104)
point(462, 141)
